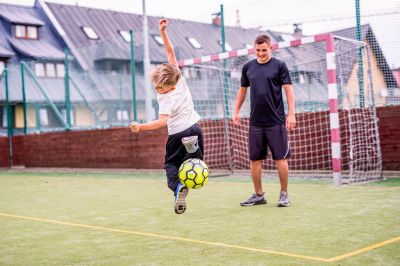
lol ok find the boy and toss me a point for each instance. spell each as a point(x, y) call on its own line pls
point(177, 112)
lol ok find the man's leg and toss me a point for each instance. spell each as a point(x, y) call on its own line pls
point(283, 172)
point(256, 172)
point(258, 197)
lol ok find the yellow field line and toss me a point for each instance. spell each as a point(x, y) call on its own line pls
point(363, 250)
point(333, 259)
point(167, 237)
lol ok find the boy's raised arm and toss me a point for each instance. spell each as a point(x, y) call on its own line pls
point(167, 43)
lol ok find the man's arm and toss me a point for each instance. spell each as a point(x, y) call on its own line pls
point(291, 116)
point(240, 97)
point(167, 43)
point(153, 125)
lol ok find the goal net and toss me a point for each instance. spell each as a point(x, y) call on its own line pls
point(337, 132)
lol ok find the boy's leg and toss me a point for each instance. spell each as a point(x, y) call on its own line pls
point(193, 143)
point(175, 153)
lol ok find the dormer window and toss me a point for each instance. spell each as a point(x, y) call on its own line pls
point(194, 43)
point(158, 39)
point(126, 35)
point(26, 32)
point(90, 33)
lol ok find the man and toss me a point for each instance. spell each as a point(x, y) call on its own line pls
point(176, 109)
point(266, 76)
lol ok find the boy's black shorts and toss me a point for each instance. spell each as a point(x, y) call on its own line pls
point(176, 153)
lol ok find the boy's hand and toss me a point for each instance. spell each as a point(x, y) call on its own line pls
point(135, 127)
point(163, 24)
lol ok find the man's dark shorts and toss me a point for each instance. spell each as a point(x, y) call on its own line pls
point(274, 137)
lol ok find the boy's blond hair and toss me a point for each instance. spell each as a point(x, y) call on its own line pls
point(165, 74)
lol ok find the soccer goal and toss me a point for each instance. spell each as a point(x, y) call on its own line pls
point(337, 133)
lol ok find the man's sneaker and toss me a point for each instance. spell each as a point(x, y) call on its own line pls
point(284, 200)
point(180, 203)
point(190, 143)
point(254, 200)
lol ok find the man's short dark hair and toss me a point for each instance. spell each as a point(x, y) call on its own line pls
point(262, 39)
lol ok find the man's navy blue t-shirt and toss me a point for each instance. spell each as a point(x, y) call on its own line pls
point(265, 81)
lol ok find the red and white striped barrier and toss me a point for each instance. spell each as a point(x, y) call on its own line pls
point(332, 86)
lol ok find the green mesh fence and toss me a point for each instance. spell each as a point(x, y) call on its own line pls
point(101, 93)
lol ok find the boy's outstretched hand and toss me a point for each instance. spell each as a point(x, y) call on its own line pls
point(135, 127)
point(163, 24)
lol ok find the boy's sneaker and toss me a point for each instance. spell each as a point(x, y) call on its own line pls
point(284, 200)
point(254, 200)
point(180, 203)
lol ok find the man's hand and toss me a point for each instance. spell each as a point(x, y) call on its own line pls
point(163, 24)
point(236, 118)
point(290, 122)
point(135, 127)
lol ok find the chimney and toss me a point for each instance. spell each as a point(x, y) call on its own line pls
point(297, 31)
point(216, 20)
point(237, 18)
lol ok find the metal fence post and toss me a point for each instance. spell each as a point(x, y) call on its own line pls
point(9, 119)
point(67, 95)
point(133, 77)
point(24, 97)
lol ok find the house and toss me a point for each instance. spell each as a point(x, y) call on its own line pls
point(26, 36)
point(382, 78)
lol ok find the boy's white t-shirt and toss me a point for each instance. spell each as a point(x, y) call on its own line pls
point(178, 105)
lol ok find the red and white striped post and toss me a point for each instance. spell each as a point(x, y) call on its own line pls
point(333, 109)
point(332, 87)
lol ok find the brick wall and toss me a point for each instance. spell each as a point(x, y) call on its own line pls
point(119, 148)
point(389, 130)
point(108, 148)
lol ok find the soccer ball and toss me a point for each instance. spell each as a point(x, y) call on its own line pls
point(193, 173)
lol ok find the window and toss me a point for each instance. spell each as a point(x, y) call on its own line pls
point(44, 119)
point(122, 115)
point(126, 35)
point(227, 46)
point(302, 79)
point(20, 31)
point(3, 117)
point(158, 39)
point(60, 70)
point(50, 70)
point(26, 32)
point(32, 32)
point(90, 33)
point(71, 115)
point(39, 70)
point(194, 43)
point(2, 66)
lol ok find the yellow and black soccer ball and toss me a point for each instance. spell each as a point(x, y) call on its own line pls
point(193, 173)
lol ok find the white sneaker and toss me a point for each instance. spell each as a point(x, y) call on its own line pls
point(284, 200)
